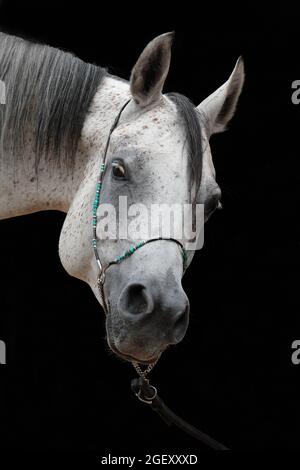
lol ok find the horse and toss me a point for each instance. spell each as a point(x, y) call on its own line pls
point(61, 119)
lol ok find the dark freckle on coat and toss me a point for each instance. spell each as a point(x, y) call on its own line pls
point(145, 127)
point(32, 179)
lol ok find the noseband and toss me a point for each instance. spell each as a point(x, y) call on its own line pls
point(141, 387)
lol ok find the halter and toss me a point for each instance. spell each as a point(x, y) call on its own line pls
point(131, 250)
point(141, 387)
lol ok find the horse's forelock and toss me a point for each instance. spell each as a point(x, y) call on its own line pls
point(191, 120)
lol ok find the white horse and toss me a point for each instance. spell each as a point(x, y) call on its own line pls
point(54, 129)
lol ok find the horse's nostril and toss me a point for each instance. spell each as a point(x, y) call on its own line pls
point(156, 316)
point(135, 300)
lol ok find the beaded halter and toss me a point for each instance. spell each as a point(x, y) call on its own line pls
point(131, 250)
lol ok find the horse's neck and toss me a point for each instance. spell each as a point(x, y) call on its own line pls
point(21, 192)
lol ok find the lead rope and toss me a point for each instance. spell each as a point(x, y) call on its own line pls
point(147, 393)
point(141, 386)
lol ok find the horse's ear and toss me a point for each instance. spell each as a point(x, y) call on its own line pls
point(150, 71)
point(219, 107)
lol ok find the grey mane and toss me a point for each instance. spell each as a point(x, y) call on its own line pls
point(192, 122)
point(48, 94)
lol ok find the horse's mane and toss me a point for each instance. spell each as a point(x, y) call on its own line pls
point(48, 92)
point(192, 122)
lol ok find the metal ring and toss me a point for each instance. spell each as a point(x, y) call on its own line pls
point(101, 278)
point(147, 400)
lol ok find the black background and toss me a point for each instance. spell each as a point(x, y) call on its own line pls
point(232, 375)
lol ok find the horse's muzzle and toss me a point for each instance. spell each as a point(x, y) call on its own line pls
point(151, 320)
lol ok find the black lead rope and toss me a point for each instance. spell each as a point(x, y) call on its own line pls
point(148, 394)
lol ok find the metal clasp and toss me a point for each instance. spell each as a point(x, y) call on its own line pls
point(147, 400)
point(101, 279)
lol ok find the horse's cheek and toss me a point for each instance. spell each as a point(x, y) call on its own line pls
point(75, 251)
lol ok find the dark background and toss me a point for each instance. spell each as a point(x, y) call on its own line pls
point(232, 375)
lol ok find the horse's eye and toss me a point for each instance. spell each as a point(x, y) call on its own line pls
point(118, 170)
